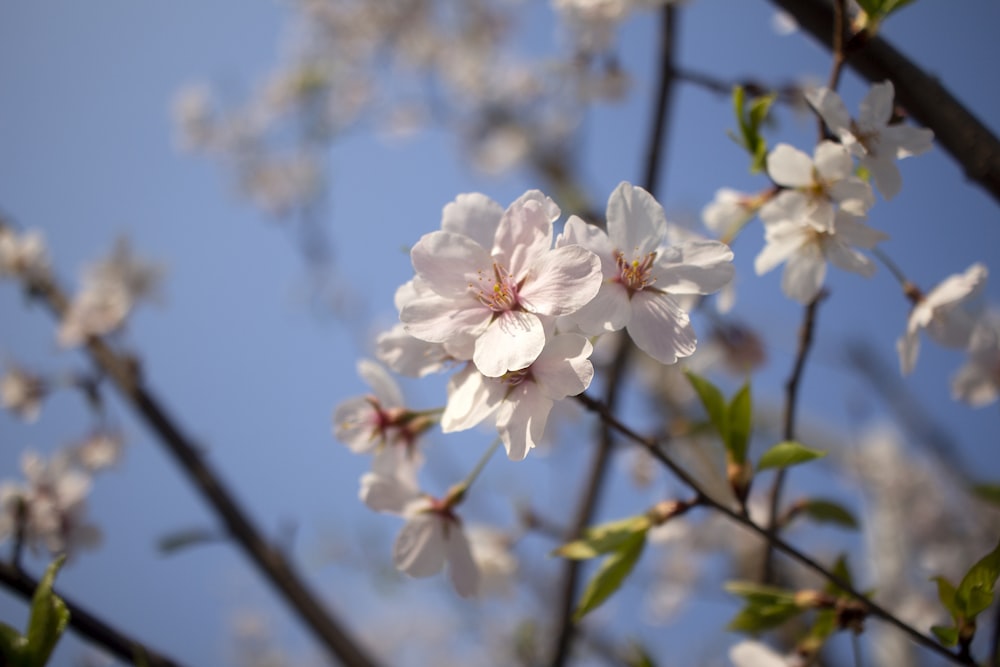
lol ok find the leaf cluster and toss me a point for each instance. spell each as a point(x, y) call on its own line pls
point(49, 618)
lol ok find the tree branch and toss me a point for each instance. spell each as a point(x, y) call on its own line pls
point(956, 129)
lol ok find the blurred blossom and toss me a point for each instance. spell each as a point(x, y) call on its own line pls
point(749, 653)
point(98, 451)
point(51, 504)
point(281, 184)
point(22, 255)
point(491, 550)
point(193, 117)
point(783, 23)
point(22, 392)
point(109, 291)
point(978, 381)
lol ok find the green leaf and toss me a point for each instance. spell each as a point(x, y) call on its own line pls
point(636, 655)
point(990, 492)
point(948, 636)
point(604, 538)
point(827, 511)
point(49, 617)
point(13, 646)
point(611, 575)
point(759, 593)
point(186, 537)
point(840, 569)
point(822, 628)
point(767, 607)
point(788, 453)
point(740, 418)
point(946, 594)
point(714, 403)
point(975, 592)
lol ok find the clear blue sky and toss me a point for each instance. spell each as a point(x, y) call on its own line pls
point(87, 153)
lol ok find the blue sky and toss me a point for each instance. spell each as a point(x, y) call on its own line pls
point(250, 368)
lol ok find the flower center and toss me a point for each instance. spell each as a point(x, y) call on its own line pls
point(637, 274)
point(514, 378)
point(499, 294)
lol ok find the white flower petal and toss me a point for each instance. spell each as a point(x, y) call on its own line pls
point(833, 161)
point(831, 109)
point(420, 547)
point(475, 215)
point(448, 263)
point(471, 399)
point(876, 109)
point(563, 368)
point(789, 166)
point(660, 328)
point(695, 267)
point(609, 310)
point(804, 274)
point(562, 281)
point(636, 221)
point(383, 385)
point(521, 419)
point(437, 319)
point(462, 568)
point(511, 342)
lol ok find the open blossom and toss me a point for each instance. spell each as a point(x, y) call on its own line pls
point(729, 211)
point(871, 138)
point(749, 653)
point(643, 276)
point(51, 504)
point(432, 534)
point(814, 185)
point(22, 392)
point(21, 254)
point(365, 423)
point(978, 381)
point(806, 251)
point(939, 312)
point(499, 294)
point(520, 399)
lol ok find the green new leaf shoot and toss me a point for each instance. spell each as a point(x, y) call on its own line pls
point(948, 636)
point(604, 538)
point(975, 592)
point(611, 574)
point(946, 594)
point(827, 511)
point(49, 617)
point(740, 418)
point(788, 453)
point(714, 403)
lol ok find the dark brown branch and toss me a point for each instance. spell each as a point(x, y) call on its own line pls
point(88, 625)
point(788, 430)
point(956, 129)
point(124, 374)
point(872, 608)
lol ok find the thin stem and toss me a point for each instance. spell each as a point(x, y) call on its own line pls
point(483, 460)
point(788, 431)
point(871, 607)
point(88, 625)
point(923, 96)
point(661, 113)
point(124, 373)
point(839, 29)
point(894, 269)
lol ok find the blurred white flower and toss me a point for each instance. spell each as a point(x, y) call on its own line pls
point(978, 381)
point(22, 255)
point(22, 392)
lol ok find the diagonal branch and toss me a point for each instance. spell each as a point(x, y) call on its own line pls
point(956, 129)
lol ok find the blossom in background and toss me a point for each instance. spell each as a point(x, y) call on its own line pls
point(521, 400)
point(978, 381)
point(22, 254)
point(499, 295)
point(643, 276)
point(98, 451)
point(872, 139)
point(495, 560)
point(814, 185)
point(432, 534)
point(51, 505)
point(379, 419)
point(726, 214)
point(806, 251)
point(109, 291)
point(22, 392)
point(939, 312)
point(749, 653)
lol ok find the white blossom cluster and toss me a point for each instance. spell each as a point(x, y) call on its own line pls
point(515, 310)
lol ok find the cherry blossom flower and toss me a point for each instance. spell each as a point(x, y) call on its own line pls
point(520, 399)
point(726, 214)
point(871, 138)
point(22, 392)
point(814, 185)
point(978, 381)
point(22, 254)
point(749, 653)
point(432, 534)
point(379, 419)
point(806, 251)
point(496, 562)
point(643, 277)
point(499, 296)
point(50, 507)
point(939, 312)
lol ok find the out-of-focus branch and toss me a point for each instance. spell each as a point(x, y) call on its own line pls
point(88, 625)
point(126, 377)
point(958, 131)
point(652, 445)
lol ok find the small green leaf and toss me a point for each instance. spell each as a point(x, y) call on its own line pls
point(990, 492)
point(948, 636)
point(759, 593)
point(611, 574)
point(842, 570)
point(636, 655)
point(604, 538)
point(827, 511)
point(13, 646)
point(740, 417)
point(49, 617)
point(946, 594)
point(759, 109)
point(714, 403)
point(186, 537)
point(788, 453)
point(975, 592)
point(767, 607)
point(822, 628)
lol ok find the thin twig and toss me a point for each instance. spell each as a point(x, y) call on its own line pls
point(124, 374)
point(956, 129)
point(87, 624)
point(704, 499)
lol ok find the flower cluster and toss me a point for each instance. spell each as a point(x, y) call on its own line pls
point(514, 309)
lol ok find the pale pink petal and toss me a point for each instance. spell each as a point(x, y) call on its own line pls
point(660, 328)
point(462, 568)
point(511, 342)
point(438, 319)
point(780, 246)
point(591, 237)
point(787, 206)
point(521, 419)
point(908, 140)
point(804, 274)
point(383, 493)
point(636, 221)
point(853, 231)
point(876, 109)
point(609, 310)
point(749, 653)
point(475, 215)
point(831, 109)
point(525, 232)
point(854, 195)
point(833, 161)
point(694, 267)
point(448, 263)
point(408, 355)
point(354, 424)
point(471, 399)
point(847, 258)
point(563, 368)
point(561, 281)
point(383, 385)
point(420, 547)
point(789, 166)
